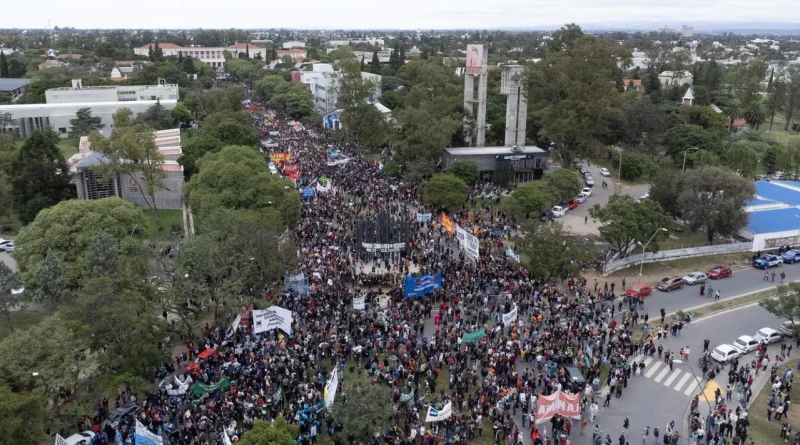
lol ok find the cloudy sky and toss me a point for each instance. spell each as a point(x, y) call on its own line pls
point(407, 14)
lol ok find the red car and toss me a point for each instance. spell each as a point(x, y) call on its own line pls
point(639, 290)
point(718, 272)
point(573, 204)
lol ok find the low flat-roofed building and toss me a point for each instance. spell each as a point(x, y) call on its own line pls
point(526, 163)
point(15, 87)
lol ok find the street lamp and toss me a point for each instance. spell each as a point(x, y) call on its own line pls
point(681, 362)
point(619, 170)
point(644, 246)
point(684, 156)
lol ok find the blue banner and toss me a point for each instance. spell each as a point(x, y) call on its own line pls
point(421, 286)
point(423, 217)
point(334, 154)
point(510, 253)
point(309, 192)
point(297, 283)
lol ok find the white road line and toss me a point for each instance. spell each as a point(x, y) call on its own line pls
point(647, 361)
point(653, 370)
point(662, 374)
point(690, 389)
point(672, 377)
point(638, 358)
point(682, 381)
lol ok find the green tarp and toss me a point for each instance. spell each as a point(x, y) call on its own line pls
point(202, 388)
point(473, 336)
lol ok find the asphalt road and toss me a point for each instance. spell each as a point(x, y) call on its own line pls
point(661, 394)
point(6, 258)
point(575, 220)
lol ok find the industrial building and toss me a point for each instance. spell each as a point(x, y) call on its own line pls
point(526, 163)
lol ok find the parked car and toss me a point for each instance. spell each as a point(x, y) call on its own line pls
point(725, 353)
point(639, 290)
point(768, 334)
point(604, 172)
point(767, 260)
point(84, 438)
point(575, 375)
point(584, 170)
point(695, 278)
point(558, 211)
point(587, 191)
point(790, 327)
point(720, 271)
point(581, 198)
point(546, 216)
point(573, 204)
point(118, 414)
point(745, 344)
point(669, 283)
point(645, 196)
point(589, 181)
point(7, 245)
point(791, 256)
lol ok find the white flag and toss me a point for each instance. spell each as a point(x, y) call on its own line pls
point(143, 436)
point(435, 415)
point(331, 387)
point(60, 440)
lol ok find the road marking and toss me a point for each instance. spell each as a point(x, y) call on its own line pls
point(709, 391)
point(672, 377)
point(690, 389)
point(663, 374)
point(653, 370)
point(682, 381)
point(647, 361)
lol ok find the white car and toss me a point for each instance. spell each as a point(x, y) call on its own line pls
point(604, 172)
point(768, 334)
point(84, 438)
point(725, 353)
point(587, 191)
point(272, 168)
point(589, 180)
point(18, 291)
point(582, 197)
point(745, 344)
point(558, 211)
point(695, 278)
point(7, 246)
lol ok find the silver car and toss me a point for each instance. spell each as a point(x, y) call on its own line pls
point(695, 278)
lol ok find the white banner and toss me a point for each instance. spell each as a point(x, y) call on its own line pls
point(468, 242)
point(359, 303)
point(510, 317)
point(234, 326)
point(324, 188)
point(383, 301)
point(225, 439)
point(143, 436)
point(269, 319)
point(338, 162)
point(377, 247)
point(331, 387)
point(435, 415)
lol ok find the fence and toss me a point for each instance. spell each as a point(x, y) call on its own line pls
point(674, 254)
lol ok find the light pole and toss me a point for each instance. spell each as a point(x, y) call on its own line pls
point(619, 170)
point(644, 246)
point(681, 362)
point(684, 156)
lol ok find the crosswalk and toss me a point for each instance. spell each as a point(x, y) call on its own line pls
point(677, 379)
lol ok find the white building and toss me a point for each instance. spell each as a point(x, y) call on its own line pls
point(323, 81)
point(116, 93)
point(687, 31)
point(383, 56)
point(211, 56)
point(668, 78)
point(294, 44)
point(297, 54)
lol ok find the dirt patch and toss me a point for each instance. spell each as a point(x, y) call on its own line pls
point(654, 272)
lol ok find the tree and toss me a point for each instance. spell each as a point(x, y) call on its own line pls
point(549, 251)
point(445, 190)
point(3, 66)
point(635, 165)
point(84, 123)
point(529, 198)
point(157, 117)
point(40, 177)
point(68, 229)
point(295, 100)
point(50, 278)
point(466, 170)
point(131, 151)
point(786, 304)
point(755, 114)
point(239, 178)
point(278, 432)
point(6, 195)
point(16, 68)
point(792, 95)
point(181, 114)
point(375, 63)
point(102, 256)
point(363, 409)
point(366, 121)
point(741, 157)
point(733, 110)
point(231, 128)
point(572, 94)
point(21, 415)
point(643, 119)
point(10, 299)
point(682, 137)
point(197, 147)
point(566, 183)
point(625, 220)
point(712, 199)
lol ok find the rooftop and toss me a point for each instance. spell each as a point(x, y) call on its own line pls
point(779, 220)
point(13, 84)
point(496, 151)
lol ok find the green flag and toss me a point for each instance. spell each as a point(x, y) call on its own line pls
point(406, 397)
point(473, 336)
point(202, 388)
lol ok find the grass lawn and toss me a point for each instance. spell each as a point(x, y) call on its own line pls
point(763, 432)
point(168, 219)
point(22, 320)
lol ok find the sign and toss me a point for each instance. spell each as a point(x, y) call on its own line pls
point(383, 301)
point(277, 395)
point(292, 171)
point(202, 388)
point(515, 157)
point(331, 121)
point(269, 319)
point(567, 405)
point(510, 253)
point(424, 217)
point(334, 154)
point(359, 303)
point(468, 242)
point(234, 326)
point(338, 162)
point(773, 243)
point(323, 187)
point(331, 387)
point(473, 336)
point(510, 317)
point(476, 59)
point(378, 247)
point(447, 223)
point(281, 157)
point(437, 415)
point(419, 287)
point(309, 192)
point(143, 436)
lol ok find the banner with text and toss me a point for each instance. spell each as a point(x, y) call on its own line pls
point(143, 436)
point(510, 317)
point(424, 217)
point(269, 319)
point(510, 253)
point(567, 405)
point(473, 336)
point(359, 303)
point(437, 415)
point(468, 242)
point(421, 286)
point(331, 387)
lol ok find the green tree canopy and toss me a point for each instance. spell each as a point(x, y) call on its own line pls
point(21, 415)
point(239, 178)
point(786, 305)
point(625, 220)
point(196, 148)
point(84, 123)
point(69, 228)
point(157, 117)
point(565, 183)
point(529, 198)
point(742, 157)
point(40, 177)
point(467, 171)
point(181, 114)
point(635, 165)
point(363, 409)
point(9, 300)
point(682, 137)
point(445, 190)
point(279, 432)
point(547, 250)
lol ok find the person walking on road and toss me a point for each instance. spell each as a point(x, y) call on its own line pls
point(655, 436)
point(766, 275)
point(705, 345)
point(716, 296)
point(783, 276)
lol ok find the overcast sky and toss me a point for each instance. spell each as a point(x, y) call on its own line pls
point(406, 14)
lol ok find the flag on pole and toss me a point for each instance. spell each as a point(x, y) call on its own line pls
point(436, 415)
point(331, 387)
point(226, 440)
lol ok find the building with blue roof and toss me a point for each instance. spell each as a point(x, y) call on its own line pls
point(774, 214)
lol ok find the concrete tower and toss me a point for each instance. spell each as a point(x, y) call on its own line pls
point(511, 85)
point(477, 59)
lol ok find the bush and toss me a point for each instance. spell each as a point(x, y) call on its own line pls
point(635, 165)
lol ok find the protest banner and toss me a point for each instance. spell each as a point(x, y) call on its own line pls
point(269, 319)
point(473, 336)
point(561, 403)
point(510, 317)
point(437, 415)
point(421, 286)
